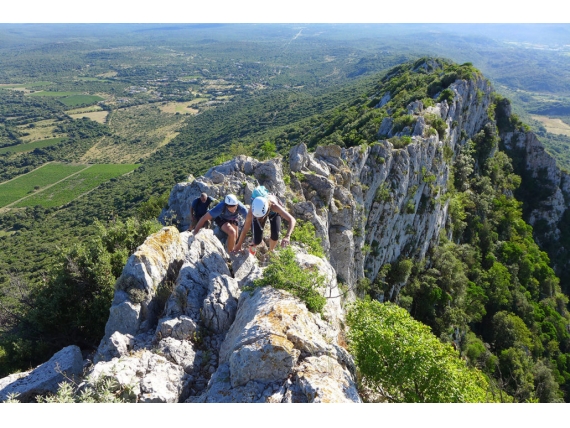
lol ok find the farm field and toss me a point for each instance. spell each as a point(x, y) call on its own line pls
point(28, 147)
point(97, 116)
point(54, 94)
point(554, 126)
point(75, 185)
point(42, 177)
point(181, 107)
point(84, 110)
point(42, 129)
point(77, 100)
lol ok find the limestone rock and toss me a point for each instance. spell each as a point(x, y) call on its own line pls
point(153, 378)
point(64, 365)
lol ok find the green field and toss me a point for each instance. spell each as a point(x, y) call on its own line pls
point(77, 100)
point(54, 94)
point(28, 147)
point(69, 189)
point(36, 180)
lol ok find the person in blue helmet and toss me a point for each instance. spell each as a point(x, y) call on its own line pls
point(225, 215)
point(265, 208)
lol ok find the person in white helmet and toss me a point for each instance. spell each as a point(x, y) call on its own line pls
point(263, 208)
point(225, 215)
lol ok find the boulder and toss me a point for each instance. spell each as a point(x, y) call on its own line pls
point(65, 365)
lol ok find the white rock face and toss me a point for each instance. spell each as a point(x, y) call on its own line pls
point(277, 351)
point(152, 377)
point(543, 168)
point(64, 365)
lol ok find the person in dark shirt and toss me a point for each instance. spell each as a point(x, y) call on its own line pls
point(226, 215)
point(200, 207)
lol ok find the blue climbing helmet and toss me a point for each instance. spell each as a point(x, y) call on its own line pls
point(259, 191)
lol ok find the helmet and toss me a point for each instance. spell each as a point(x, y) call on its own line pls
point(259, 206)
point(231, 199)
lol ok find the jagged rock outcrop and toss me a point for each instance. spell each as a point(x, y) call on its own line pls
point(209, 341)
point(65, 365)
point(555, 184)
point(370, 205)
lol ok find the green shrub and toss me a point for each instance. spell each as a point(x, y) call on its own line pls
point(285, 273)
point(306, 234)
point(402, 358)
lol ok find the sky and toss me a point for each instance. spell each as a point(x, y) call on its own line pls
point(289, 11)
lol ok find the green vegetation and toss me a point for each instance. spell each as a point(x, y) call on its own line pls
point(305, 234)
point(80, 100)
point(40, 178)
point(285, 273)
point(72, 307)
point(75, 186)
point(28, 147)
point(54, 94)
point(399, 358)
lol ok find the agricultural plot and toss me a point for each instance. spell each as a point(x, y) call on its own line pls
point(41, 130)
point(143, 129)
point(40, 178)
point(84, 110)
point(75, 185)
point(54, 94)
point(78, 100)
point(28, 147)
point(554, 126)
point(182, 108)
point(97, 116)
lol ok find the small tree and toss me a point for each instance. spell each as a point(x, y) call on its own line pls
point(400, 358)
point(268, 150)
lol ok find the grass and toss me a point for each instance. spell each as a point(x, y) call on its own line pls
point(183, 107)
point(97, 116)
point(77, 100)
point(84, 110)
point(38, 179)
point(554, 126)
point(53, 94)
point(28, 147)
point(42, 130)
point(143, 129)
point(76, 185)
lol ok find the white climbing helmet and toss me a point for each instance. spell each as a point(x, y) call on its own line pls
point(231, 199)
point(259, 206)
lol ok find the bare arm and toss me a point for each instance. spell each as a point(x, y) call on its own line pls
point(203, 220)
point(287, 217)
point(246, 227)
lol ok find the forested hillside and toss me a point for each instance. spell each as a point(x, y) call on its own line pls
point(486, 287)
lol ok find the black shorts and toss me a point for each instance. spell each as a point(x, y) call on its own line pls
point(257, 228)
point(221, 221)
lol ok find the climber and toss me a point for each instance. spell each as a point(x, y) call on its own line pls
point(200, 207)
point(263, 208)
point(225, 215)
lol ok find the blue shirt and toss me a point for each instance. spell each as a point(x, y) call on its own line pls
point(221, 210)
point(201, 208)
